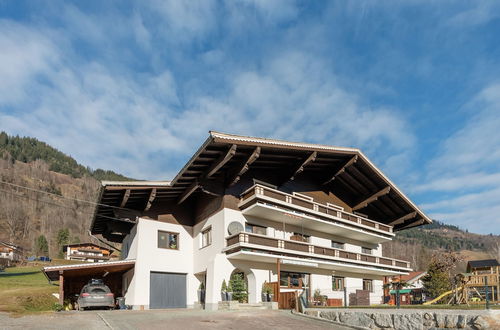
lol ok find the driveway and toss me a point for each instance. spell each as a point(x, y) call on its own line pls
point(163, 319)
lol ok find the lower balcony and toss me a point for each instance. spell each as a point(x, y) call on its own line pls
point(260, 248)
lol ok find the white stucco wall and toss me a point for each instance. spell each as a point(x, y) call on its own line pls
point(211, 264)
point(150, 258)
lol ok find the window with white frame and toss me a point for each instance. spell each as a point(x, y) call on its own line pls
point(368, 285)
point(337, 283)
point(366, 250)
point(206, 237)
point(255, 229)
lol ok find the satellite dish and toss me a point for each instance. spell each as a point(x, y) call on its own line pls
point(234, 227)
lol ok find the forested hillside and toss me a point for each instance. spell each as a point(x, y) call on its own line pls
point(26, 150)
point(38, 188)
point(417, 244)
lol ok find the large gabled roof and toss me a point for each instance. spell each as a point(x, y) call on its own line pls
point(347, 172)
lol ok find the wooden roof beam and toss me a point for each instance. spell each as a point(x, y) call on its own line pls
point(152, 196)
point(403, 218)
point(246, 166)
point(372, 198)
point(191, 189)
point(221, 161)
point(125, 198)
point(342, 170)
point(300, 169)
point(412, 224)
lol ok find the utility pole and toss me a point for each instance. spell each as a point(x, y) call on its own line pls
point(345, 296)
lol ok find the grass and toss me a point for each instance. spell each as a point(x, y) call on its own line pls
point(26, 290)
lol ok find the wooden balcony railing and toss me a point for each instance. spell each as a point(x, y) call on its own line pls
point(305, 204)
point(479, 280)
point(306, 250)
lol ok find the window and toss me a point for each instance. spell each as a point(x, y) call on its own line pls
point(293, 280)
point(366, 250)
point(368, 285)
point(206, 237)
point(249, 228)
point(337, 283)
point(337, 245)
point(167, 240)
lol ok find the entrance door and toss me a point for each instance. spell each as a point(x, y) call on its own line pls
point(167, 290)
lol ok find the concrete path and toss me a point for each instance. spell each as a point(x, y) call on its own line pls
point(165, 319)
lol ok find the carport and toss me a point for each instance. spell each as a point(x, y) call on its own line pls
point(73, 277)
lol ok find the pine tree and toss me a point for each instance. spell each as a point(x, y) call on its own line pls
point(62, 239)
point(238, 287)
point(41, 246)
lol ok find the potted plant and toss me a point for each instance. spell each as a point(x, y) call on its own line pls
point(223, 290)
point(201, 293)
point(267, 292)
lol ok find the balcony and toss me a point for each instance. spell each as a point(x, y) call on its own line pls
point(260, 248)
point(300, 210)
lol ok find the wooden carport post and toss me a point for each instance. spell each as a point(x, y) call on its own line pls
point(61, 288)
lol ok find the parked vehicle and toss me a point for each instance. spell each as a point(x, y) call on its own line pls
point(96, 294)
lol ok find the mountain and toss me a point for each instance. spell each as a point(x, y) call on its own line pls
point(38, 188)
point(26, 150)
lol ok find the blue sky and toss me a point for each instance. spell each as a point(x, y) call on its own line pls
point(135, 87)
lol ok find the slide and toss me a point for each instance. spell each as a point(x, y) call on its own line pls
point(441, 296)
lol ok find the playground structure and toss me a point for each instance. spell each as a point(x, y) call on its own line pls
point(479, 285)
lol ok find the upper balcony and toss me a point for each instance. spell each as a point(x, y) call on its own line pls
point(300, 210)
point(261, 248)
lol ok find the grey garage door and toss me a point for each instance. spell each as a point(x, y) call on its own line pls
point(167, 290)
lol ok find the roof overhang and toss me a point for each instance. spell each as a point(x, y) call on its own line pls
point(88, 269)
point(347, 172)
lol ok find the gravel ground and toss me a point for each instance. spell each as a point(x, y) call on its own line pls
point(166, 319)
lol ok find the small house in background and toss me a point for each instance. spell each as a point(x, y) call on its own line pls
point(412, 290)
point(10, 253)
point(89, 252)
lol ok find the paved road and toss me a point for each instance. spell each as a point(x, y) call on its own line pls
point(165, 319)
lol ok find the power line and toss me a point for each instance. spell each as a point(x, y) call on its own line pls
point(55, 204)
point(63, 197)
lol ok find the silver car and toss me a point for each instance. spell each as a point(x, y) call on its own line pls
point(96, 294)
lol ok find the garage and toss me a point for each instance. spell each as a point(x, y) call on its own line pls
point(167, 290)
point(72, 278)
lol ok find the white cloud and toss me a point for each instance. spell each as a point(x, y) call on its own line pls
point(121, 121)
point(24, 54)
point(467, 168)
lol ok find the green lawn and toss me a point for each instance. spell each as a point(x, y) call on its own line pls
point(26, 290)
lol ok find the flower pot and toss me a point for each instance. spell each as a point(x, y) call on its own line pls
point(229, 296)
point(223, 295)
